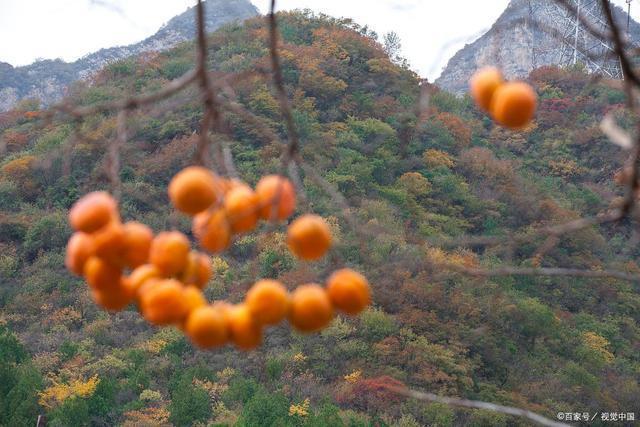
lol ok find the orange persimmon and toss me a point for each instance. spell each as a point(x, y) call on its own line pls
point(349, 291)
point(207, 326)
point(193, 298)
point(79, 249)
point(116, 298)
point(170, 252)
point(276, 198)
point(93, 211)
point(311, 308)
point(241, 207)
point(141, 275)
point(195, 189)
point(483, 85)
point(268, 302)
point(514, 104)
point(110, 242)
point(198, 270)
point(101, 275)
point(163, 303)
point(212, 230)
point(309, 237)
point(246, 333)
point(137, 243)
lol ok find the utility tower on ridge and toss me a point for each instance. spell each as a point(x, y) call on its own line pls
point(577, 46)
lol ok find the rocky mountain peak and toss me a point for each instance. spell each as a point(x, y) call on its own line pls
point(534, 33)
point(48, 80)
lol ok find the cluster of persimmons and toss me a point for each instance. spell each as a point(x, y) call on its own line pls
point(511, 104)
point(126, 263)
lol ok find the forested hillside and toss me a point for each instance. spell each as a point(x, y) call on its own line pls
point(414, 178)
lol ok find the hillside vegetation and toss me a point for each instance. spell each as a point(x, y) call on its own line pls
point(412, 177)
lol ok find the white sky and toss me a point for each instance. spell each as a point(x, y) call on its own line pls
point(431, 30)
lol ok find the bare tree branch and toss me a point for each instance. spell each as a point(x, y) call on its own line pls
point(294, 140)
point(475, 404)
point(551, 272)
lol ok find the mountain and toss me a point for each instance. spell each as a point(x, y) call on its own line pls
point(47, 80)
point(411, 179)
point(529, 35)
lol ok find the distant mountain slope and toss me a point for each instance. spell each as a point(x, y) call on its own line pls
point(48, 79)
point(518, 42)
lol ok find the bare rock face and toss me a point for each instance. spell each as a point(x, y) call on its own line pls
point(528, 35)
point(48, 80)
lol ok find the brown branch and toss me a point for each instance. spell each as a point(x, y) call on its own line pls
point(631, 79)
point(114, 153)
point(294, 140)
point(551, 272)
point(211, 117)
point(476, 404)
point(549, 231)
point(129, 103)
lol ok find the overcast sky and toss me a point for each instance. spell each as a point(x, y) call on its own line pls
point(431, 31)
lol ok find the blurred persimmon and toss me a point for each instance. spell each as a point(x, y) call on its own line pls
point(241, 207)
point(311, 308)
point(170, 252)
point(514, 104)
point(195, 189)
point(483, 85)
point(309, 237)
point(79, 249)
point(276, 198)
point(268, 302)
point(93, 211)
point(207, 326)
point(349, 291)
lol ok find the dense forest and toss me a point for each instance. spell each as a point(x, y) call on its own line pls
point(414, 180)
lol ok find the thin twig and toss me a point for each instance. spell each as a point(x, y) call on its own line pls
point(211, 115)
point(114, 153)
point(294, 140)
point(476, 404)
point(129, 103)
point(551, 272)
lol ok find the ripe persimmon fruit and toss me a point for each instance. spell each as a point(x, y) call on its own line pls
point(241, 207)
point(230, 184)
point(311, 308)
point(141, 275)
point(246, 333)
point(137, 243)
point(309, 237)
point(101, 275)
point(198, 270)
point(79, 249)
point(514, 104)
point(162, 303)
point(110, 242)
point(349, 291)
point(483, 85)
point(93, 211)
point(268, 302)
point(170, 252)
point(195, 189)
point(116, 298)
point(276, 198)
point(193, 298)
point(207, 326)
point(212, 230)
